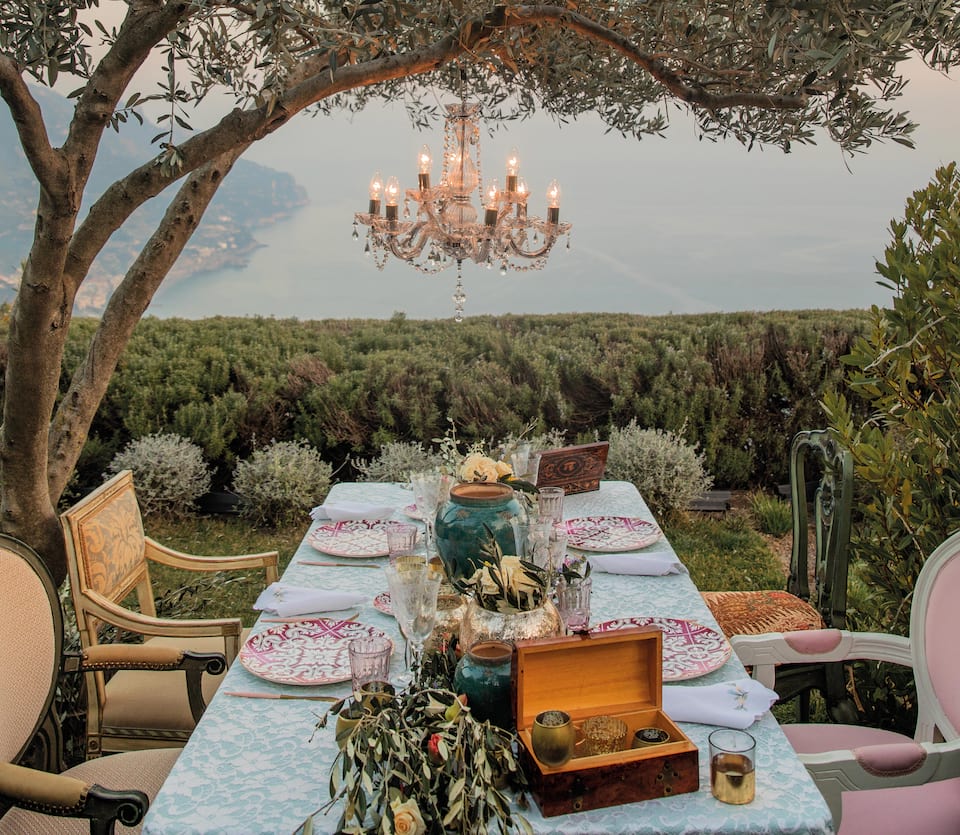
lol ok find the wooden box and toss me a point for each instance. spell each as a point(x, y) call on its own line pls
point(577, 469)
point(615, 673)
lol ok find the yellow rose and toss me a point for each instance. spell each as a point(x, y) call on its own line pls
point(407, 819)
point(478, 467)
point(503, 468)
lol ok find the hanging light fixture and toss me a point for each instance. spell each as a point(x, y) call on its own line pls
point(446, 228)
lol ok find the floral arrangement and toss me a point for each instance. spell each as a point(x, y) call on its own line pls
point(479, 467)
point(506, 583)
point(423, 765)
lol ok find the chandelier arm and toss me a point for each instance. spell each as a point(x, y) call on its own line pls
point(410, 244)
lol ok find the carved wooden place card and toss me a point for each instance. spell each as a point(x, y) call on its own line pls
point(577, 469)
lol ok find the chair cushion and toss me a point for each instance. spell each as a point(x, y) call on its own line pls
point(815, 738)
point(930, 809)
point(158, 700)
point(143, 770)
point(758, 612)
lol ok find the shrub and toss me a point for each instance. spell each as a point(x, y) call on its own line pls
point(667, 471)
point(169, 473)
point(397, 459)
point(772, 515)
point(907, 372)
point(280, 482)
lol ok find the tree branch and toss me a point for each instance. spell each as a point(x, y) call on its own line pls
point(72, 419)
point(46, 164)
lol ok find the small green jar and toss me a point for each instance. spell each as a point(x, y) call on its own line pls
point(483, 675)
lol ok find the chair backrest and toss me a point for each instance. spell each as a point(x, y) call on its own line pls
point(105, 551)
point(833, 502)
point(934, 628)
point(31, 628)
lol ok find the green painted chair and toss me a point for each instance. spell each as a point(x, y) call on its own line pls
point(800, 607)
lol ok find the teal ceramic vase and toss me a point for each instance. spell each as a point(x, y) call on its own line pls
point(483, 675)
point(462, 523)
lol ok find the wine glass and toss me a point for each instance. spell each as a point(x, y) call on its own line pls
point(414, 584)
point(430, 490)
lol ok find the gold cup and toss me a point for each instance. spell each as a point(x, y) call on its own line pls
point(376, 695)
point(603, 735)
point(347, 720)
point(553, 737)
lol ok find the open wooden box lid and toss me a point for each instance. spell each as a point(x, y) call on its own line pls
point(586, 675)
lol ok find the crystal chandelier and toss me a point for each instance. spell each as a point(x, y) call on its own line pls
point(446, 228)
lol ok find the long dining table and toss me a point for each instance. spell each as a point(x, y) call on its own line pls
point(260, 767)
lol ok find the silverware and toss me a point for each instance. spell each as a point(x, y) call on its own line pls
point(250, 695)
point(339, 564)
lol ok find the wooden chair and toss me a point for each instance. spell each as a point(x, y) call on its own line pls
point(799, 607)
point(108, 560)
point(76, 801)
point(845, 759)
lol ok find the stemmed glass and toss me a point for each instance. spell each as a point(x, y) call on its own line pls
point(430, 490)
point(414, 584)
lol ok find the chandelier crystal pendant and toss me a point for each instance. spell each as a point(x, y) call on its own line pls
point(446, 228)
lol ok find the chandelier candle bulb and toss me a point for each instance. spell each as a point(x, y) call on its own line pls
point(513, 169)
point(553, 202)
point(425, 161)
point(392, 195)
point(376, 187)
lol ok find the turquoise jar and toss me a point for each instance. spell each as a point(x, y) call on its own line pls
point(483, 675)
point(462, 522)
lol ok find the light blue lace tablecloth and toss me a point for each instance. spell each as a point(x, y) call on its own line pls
point(256, 766)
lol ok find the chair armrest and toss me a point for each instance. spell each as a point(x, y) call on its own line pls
point(56, 794)
point(108, 657)
point(109, 612)
point(881, 767)
point(764, 652)
point(268, 560)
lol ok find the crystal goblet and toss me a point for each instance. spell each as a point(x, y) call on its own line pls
point(430, 490)
point(413, 587)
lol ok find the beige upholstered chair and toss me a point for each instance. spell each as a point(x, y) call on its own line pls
point(32, 627)
point(909, 785)
point(108, 558)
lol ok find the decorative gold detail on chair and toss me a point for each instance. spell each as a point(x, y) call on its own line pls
point(108, 558)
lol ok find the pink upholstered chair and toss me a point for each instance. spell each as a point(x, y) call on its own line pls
point(89, 797)
point(108, 558)
point(846, 758)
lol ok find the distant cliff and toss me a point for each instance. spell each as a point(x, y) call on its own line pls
point(252, 196)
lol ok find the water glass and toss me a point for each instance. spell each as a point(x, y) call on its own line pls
point(369, 660)
point(573, 603)
point(533, 542)
point(732, 766)
point(401, 540)
point(550, 504)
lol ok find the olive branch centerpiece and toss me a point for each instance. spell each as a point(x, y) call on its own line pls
point(506, 584)
point(421, 764)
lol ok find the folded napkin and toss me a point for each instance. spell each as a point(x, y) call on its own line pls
point(286, 601)
point(345, 511)
point(733, 704)
point(653, 565)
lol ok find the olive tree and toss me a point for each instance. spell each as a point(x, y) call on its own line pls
point(769, 72)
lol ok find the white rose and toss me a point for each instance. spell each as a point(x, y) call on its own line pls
point(407, 819)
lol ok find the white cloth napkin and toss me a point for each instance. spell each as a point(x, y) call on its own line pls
point(732, 704)
point(287, 601)
point(345, 511)
point(653, 565)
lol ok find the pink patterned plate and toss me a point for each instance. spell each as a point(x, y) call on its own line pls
point(310, 651)
point(382, 603)
point(611, 533)
point(413, 512)
point(690, 649)
point(355, 538)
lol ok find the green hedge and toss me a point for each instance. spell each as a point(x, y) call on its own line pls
point(739, 385)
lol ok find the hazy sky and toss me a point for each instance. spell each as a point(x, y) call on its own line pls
point(659, 225)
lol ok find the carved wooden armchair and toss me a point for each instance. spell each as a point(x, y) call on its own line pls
point(108, 559)
point(878, 781)
point(76, 801)
point(799, 606)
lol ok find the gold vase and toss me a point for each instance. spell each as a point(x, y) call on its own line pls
point(553, 738)
point(481, 624)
